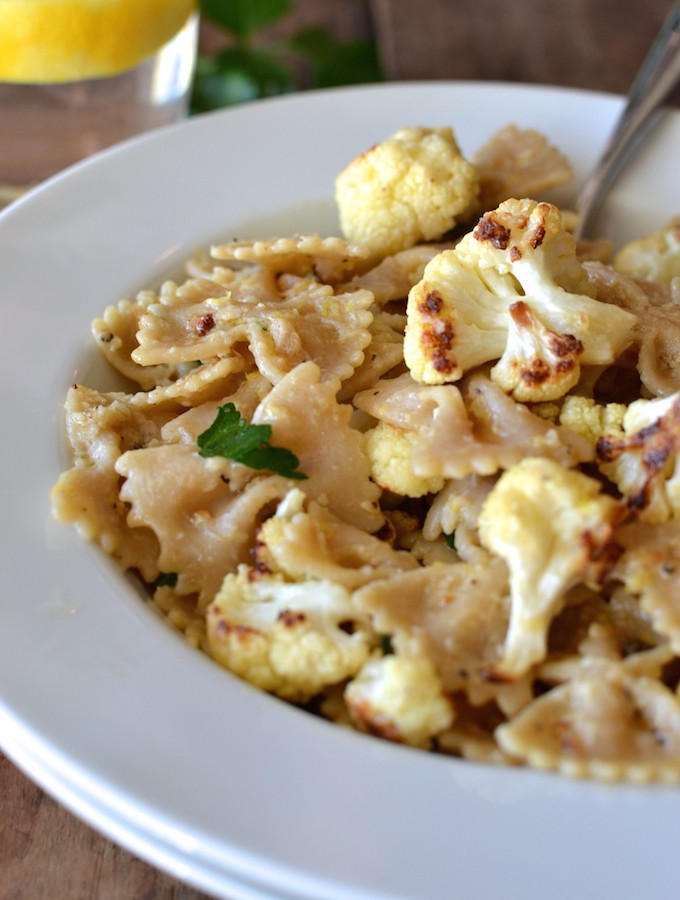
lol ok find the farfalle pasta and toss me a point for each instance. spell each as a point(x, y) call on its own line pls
point(470, 548)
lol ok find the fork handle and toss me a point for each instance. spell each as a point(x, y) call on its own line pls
point(656, 78)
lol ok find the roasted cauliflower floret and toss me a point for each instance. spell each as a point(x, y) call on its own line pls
point(291, 639)
point(644, 460)
point(590, 419)
point(537, 363)
point(554, 529)
point(399, 698)
point(390, 451)
point(414, 186)
point(459, 313)
point(655, 257)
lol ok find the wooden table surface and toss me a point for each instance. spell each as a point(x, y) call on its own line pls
point(45, 852)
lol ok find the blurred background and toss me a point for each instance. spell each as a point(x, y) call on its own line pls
point(592, 44)
point(249, 49)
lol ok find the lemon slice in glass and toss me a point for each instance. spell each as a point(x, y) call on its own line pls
point(50, 41)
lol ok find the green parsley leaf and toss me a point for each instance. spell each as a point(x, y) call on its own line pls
point(243, 17)
point(450, 540)
point(166, 579)
point(257, 63)
point(386, 645)
point(237, 75)
point(233, 438)
point(337, 62)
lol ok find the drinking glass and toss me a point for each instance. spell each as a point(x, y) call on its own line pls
point(48, 126)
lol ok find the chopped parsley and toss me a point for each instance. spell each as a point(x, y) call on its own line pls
point(166, 579)
point(233, 438)
point(386, 645)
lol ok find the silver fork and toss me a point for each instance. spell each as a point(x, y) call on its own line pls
point(657, 77)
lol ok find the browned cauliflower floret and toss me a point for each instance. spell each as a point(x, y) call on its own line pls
point(400, 698)
point(459, 313)
point(289, 638)
point(537, 363)
point(414, 186)
point(643, 460)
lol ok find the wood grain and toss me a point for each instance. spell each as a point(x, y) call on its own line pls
point(48, 854)
point(45, 852)
point(598, 46)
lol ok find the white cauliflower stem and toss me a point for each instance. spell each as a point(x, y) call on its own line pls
point(459, 314)
point(413, 186)
point(554, 529)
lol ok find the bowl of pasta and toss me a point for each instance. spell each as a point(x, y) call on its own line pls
point(345, 497)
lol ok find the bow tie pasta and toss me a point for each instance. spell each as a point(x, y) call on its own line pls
point(421, 479)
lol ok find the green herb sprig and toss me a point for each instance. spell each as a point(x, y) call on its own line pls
point(253, 66)
point(231, 437)
point(166, 579)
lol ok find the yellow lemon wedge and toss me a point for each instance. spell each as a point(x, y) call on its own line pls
point(49, 41)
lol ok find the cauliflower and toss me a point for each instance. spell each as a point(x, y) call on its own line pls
point(554, 529)
point(458, 315)
point(537, 363)
point(643, 461)
point(414, 186)
point(390, 451)
point(655, 257)
point(291, 639)
point(636, 448)
point(399, 698)
point(590, 419)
